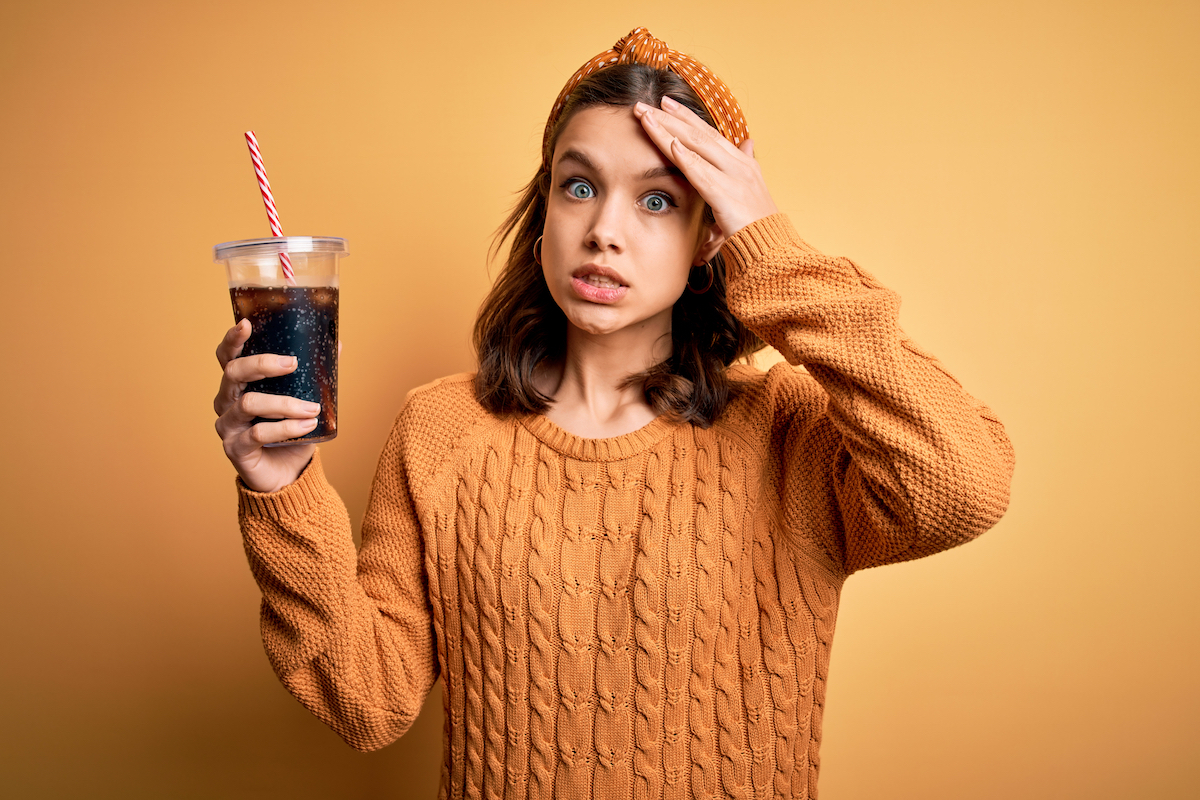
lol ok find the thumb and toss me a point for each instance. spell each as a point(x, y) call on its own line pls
point(747, 147)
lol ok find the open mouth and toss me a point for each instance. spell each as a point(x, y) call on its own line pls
point(601, 281)
point(598, 284)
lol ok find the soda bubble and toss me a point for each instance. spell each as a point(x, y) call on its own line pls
point(298, 321)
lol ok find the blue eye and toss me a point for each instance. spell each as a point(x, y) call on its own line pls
point(580, 190)
point(657, 202)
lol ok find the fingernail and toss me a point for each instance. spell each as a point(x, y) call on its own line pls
point(312, 408)
point(287, 361)
point(309, 423)
point(649, 119)
point(669, 104)
point(639, 107)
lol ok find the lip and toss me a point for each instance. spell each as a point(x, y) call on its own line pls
point(601, 270)
point(597, 294)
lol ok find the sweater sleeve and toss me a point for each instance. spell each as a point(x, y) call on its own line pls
point(349, 634)
point(887, 444)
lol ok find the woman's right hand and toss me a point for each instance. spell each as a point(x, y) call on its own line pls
point(263, 469)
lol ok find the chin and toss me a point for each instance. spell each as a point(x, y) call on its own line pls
point(596, 327)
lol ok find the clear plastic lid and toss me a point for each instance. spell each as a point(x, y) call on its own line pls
point(273, 245)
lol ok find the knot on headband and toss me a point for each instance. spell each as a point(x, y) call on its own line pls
point(640, 47)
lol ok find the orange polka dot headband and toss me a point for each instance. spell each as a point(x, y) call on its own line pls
point(640, 47)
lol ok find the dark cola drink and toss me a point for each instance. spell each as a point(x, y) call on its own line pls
point(298, 321)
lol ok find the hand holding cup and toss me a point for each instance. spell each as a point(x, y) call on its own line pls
point(262, 468)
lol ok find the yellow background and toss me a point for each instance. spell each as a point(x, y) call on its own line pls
point(1025, 173)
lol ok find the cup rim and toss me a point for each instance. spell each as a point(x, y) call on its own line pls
point(273, 245)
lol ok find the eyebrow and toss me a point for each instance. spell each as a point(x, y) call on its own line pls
point(664, 171)
point(661, 171)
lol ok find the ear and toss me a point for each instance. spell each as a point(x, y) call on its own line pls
point(711, 239)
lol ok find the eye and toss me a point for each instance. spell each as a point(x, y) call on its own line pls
point(580, 190)
point(657, 203)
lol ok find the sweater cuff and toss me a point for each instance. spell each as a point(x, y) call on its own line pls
point(757, 239)
point(294, 501)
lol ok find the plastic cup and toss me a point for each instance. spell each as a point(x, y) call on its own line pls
point(297, 318)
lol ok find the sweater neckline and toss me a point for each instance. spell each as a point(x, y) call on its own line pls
point(611, 449)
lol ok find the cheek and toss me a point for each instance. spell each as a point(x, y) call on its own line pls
point(681, 248)
point(556, 231)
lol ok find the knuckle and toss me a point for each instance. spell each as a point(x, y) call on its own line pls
point(257, 435)
point(700, 136)
point(247, 403)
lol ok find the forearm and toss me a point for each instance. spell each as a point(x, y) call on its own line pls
point(362, 672)
point(919, 465)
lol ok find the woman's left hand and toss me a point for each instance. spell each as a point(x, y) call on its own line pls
point(727, 177)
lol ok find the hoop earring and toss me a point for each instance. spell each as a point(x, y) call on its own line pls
point(707, 286)
point(537, 251)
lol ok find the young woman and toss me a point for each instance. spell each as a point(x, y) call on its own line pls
point(621, 550)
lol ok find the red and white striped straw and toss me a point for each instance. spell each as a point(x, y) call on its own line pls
point(264, 186)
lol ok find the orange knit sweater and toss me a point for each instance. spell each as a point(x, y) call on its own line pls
point(647, 616)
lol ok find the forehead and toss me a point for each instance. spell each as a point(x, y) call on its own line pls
point(612, 139)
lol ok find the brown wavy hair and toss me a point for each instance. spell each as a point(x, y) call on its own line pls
point(519, 325)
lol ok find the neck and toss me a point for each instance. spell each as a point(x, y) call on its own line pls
point(586, 386)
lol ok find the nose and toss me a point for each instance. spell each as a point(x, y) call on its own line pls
point(607, 229)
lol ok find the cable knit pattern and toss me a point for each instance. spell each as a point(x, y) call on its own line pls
point(472, 652)
point(614, 623)
point(707, 565)
point(648, 616)
point(577, 629)
point(487, 597)
point(543, 699)
point(680, 600)
point(732, 733)
point(513, 592)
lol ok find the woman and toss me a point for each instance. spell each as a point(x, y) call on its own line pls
point(621, 551)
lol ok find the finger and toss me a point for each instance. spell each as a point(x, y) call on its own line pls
point(241, 413)
point(272, 406)
point(231, 345)
point(726, 177)
point(651, 121)
point(747, 147)
point(255, 368)
point(735, 203)
point(241, 371)
point(247, 441)
point(708, 178)
point(698, 135)
point(700, 173)
point(666, 141)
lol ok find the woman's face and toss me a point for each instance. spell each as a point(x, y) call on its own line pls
point(623, 227)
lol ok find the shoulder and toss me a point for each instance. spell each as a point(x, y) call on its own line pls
point(453, 395)
point(781, 389)
point(768, 404)
point(435, 419)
